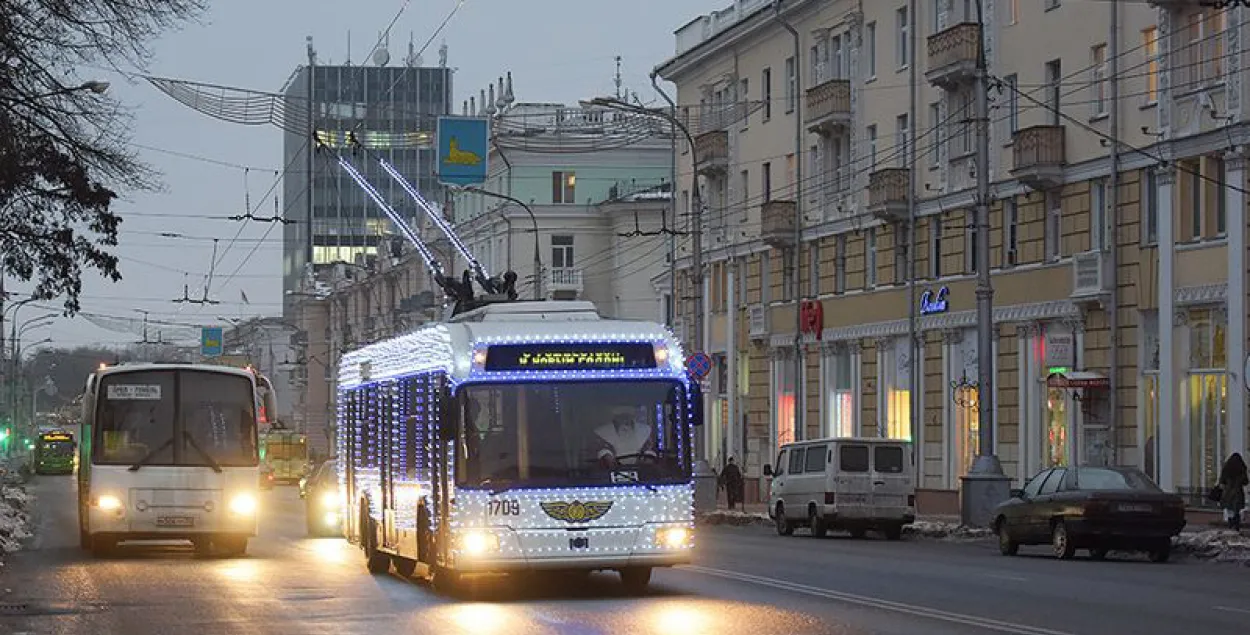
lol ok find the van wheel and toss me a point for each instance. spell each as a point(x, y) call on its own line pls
point(816, 523)
point(893, 532)
point(783, 526)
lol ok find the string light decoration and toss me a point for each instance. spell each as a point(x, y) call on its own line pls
point(397, 383)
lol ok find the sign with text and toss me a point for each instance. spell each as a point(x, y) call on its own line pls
point(590, 356)
point(463, 143)
point(931, 302)
point(134, 392)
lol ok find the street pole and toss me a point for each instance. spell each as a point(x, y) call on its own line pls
point(796, 264)
point(670, 314)
point(915, 383)
point(985, 485)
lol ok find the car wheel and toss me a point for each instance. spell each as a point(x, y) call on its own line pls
point(1162, 552)
point(1061, 541)
point(816, 523)
point(1006, 545)
point(783, 526)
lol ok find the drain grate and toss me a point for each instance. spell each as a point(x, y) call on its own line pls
point(11, 608)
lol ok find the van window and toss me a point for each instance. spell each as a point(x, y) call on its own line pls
point(815, 459)
point(887, 459)
point(780, 468)
point(853, 458)
point(796, 461)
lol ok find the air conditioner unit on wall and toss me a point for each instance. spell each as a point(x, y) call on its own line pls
point(1092, 278)
point(757, 321)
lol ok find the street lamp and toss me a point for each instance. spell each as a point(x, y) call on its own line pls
point(95, 86)
point(538, 263)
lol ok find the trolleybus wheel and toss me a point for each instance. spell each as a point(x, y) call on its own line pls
point(446, 581)
point(375, 561)
point(636, 579)
point(405, 567)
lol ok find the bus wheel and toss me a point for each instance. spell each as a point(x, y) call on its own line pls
point(405, 567)
point(231, 546)
point(636, 579)
point(102, 546)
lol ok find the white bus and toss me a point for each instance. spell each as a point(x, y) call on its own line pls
point(169, 452)
point(520, 437)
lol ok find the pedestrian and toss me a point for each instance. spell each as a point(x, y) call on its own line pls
point(1233, 482)
point(731, 480)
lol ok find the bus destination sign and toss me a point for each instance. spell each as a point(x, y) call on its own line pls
point(589, 356)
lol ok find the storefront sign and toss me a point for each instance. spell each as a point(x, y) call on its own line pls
point(812, 318)
point(1079, 381)
point(931, 303)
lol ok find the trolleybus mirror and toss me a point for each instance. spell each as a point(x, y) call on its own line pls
point(449, 415)
point(696, 403)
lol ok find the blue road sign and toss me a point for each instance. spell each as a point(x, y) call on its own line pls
point(699, 365)
point(463, 143)
point(211, 344)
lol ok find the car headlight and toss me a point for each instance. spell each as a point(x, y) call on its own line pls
point(243, 504)
point(673, 537)
point(477, 541)
point(108, 503)
point(330, 499)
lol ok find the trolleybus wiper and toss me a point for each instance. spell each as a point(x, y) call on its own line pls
point(207, 457)
point(149, 456)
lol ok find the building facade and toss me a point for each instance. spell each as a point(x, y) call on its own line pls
point(1119, 302)
point(598, 188)
point(389, 111)
point(268, 345)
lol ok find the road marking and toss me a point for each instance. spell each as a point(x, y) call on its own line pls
point(888, 605)
point(1001, 576)
point(1232, 610)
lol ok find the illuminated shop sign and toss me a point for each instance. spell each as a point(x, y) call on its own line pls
point(610, 356)
point(931, 303)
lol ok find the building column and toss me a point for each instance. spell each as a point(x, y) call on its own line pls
point(1235, 199)
point(1168, 410)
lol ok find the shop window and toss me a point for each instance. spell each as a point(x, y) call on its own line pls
point(1056, 431)
point(839, 395)
point(783, 400)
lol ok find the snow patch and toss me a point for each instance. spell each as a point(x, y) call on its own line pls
point(733, 517)
point(1219, 545)
point(946, 531)
point(15, 509)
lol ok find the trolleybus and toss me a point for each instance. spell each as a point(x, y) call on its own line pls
point(520, 437)
point(54, 452)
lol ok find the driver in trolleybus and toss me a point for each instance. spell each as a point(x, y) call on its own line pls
point(628, 438)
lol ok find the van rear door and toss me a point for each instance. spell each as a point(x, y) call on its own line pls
point(853, 480)
point(891, 476)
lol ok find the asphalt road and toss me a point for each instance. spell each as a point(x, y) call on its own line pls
point(746, 581)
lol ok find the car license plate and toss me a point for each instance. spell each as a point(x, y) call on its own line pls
point(1135, 509)
point(175, 521)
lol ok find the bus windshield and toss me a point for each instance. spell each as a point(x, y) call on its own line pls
point(285, 447)
point(57, 448)
point(573, 433)
point(176, 417)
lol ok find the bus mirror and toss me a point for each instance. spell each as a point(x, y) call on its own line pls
point(449, 422)
point(696, 405)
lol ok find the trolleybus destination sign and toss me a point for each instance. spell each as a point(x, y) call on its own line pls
point(588, 356)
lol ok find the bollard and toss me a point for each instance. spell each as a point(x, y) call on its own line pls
point(704, 487)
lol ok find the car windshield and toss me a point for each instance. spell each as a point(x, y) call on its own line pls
point(573, 433)
point(176, 417)
point(1104, 479)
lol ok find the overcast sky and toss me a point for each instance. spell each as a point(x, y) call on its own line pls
point(557, 50)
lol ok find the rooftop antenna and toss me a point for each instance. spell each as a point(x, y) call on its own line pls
point(349, 47)
point(413, 59)
point(382, 56)
point(312, 52)
point(442, 55)
point(617, 79)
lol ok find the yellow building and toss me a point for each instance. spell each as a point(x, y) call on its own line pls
point(832, 139)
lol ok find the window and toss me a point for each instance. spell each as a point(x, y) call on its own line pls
point(935, 16)
point(797, 459)
point(784, 400)
point(839, 274)
point(900, 253)
point(1054, 227)
point(745, 185)
point(872, 147)
point(1011, 215)
point(971, 243)
point(935, 246)
point(781, 462)
point(1057, 476)
point(1098, 79)
point(894, 369)
point(744, 98)
point(1013, 103)
point(870, 50)
point(563, 186)
point(766, 85)
point(870, 258)
point(1195, 192)
point(766, 284)
point(815, 461)
point(902, 28)
point(1034, 486)
point(1221, 201)
point(853, 458)
point(1054, 87)
point(1205, 397)
point(900, 141)
point(813, 265)
point(792, 84)
point(1098, 215)
point(967, 123)
point(561, 252)
point(837, 58)
point(1150, 204)
point(839, 395)
point(1150, 48)
point(790, 177)
point(935, 120)
point(766, 176)
point(816, 65)
point(887, 459)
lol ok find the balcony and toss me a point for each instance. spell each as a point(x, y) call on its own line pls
point(953, 55)
point(829, 107)
point(777, 223)
point(711, 152)
point(887, 194)
point(563, 282)
point(1039, 154)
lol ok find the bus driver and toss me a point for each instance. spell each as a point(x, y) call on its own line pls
point(625, 439)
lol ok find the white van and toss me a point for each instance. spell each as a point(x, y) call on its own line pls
point(851, 484)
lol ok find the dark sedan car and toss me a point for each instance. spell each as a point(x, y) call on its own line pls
point(1094, 508)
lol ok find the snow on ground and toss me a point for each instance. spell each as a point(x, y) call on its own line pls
point(1219, 545)
point(15, 508)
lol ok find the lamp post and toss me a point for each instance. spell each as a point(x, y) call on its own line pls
point(538, 262)
point(95, 86)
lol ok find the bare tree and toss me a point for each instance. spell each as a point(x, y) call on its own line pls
point(63, 142)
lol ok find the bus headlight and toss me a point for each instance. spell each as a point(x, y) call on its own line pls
point(476, 542)
point(673, 537)
point(109, 503)
point(243, 504)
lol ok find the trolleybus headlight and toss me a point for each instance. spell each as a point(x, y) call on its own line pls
point(330, 499)
point(108, 503)
point(476, 541)
point(673, 537)
point(331, 519)
point(243, 504)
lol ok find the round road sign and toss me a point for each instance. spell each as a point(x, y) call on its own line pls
point(699, 365)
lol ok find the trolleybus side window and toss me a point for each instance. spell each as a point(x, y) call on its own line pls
point(413, 404)
point(367, 414)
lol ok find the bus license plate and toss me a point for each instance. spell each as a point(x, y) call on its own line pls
point(175, 521)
